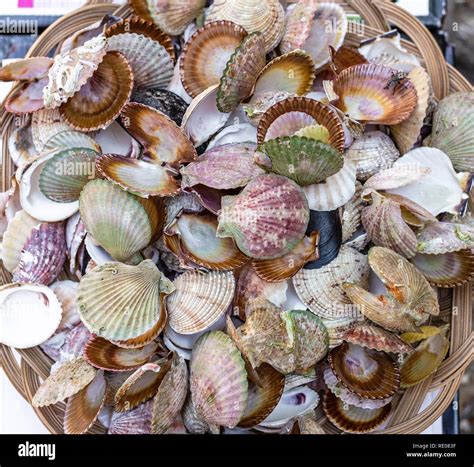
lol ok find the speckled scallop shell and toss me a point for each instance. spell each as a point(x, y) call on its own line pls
point(320, 289)
point(99, 102)
point(368, 373)
point(290, 115)
point(134, 422)
point(206, 53)
point(140, 294)
point(366, 93)
point(266, 16)
point(352, 419)
point(445, 237)
point(223, 167)
point(82, 408)
point(240, 75)
point(372, 152)
point(303, 160)
point(161, 138)
point(218, 380)
point(453, 127)
point(245, 217)
point(199, 300)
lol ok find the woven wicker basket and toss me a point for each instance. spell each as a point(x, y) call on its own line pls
point(379, 16)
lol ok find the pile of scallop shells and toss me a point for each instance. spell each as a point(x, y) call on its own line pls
point(225, 220)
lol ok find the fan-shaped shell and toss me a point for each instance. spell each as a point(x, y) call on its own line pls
point(21, 146)
point(445, 237)
point(68, 139)
point(373, 337)
point(134, 422)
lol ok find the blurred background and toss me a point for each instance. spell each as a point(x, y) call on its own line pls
point(450, 21)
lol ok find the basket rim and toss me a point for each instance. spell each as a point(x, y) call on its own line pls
point(378, 15)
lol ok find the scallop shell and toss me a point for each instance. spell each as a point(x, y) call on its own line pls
point(406, 134)
point(373, 337)
point(303, 160)
point(366, 93)
point(336, 328)
point(170, 397)
point(21, 146)
point(350, 214)
point(264, 398)
point(218, 380)
point(425, 360)
point(398, 176)
point(161, 138)
point(448, 269)
point(66, 292)
point(118, 221)
point(199, 300)
point(191, 420)
point(99, 102)
point(345, 57)
point(27, 97)
point(280, 269)
point(202, 118)
point(311, 339)
point(206, 53)
point(453, 126)
point(308, 426)
point(290, 115)
point(82, 408)
point(317, 132)
point(372, 152)
point(445, 237)
point(438, 191)
point(28, 69)
point(138, 49)
point(142, 385)
point(368, 373)
point(265, 16)
point(140, 294)
point(68, 379)
point(292, 73)
point(65, 140)
point(45, 124)
point(385, 222)
point(335, 191)
point(321, 289)
point(138, 176)
point(29, 313)
point(258, 105)
point(173, 16)
point(133, 422)
point(241, 72)
point(353, 419)
point(238, 133)
point(245, 217)
point(198, 242)
point(105, 355)
point(223, 167)
point(42, 256)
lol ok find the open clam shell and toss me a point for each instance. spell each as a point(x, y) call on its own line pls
point(199, 243)
point(199, 300)
point(245, 217)
point(99, 102)
point(68, 379)
point(29, 314)
point(290, 115)
point(426, 359)
point(453, 126)
point(265, 16)
point(280, 269)
point(438, 191)
point(102, 299)
point(82, 408)
point(333, 192)
point(372, 152)
point(406, 134)
point(321, 289)
point(241, 72)
point(206, 53)
point(141, 385)
point(368, 373)
point(264, 398)
point(352, 419)
point(170, 397)
point(138, 49)
point(138, 176)
point(218, 380)
point(105, 355)
point(161, 138)
point(305, 161)
point(223, 167)
point(373, 337)
point(367, 93)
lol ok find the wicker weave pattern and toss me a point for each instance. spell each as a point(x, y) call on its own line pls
point(379, 16)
